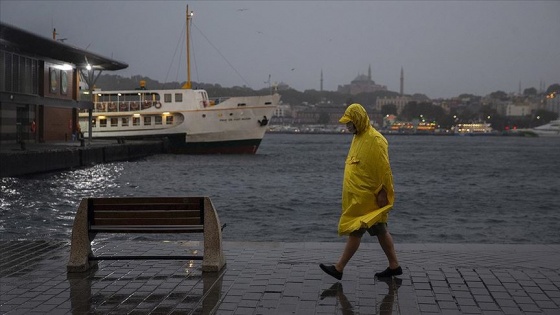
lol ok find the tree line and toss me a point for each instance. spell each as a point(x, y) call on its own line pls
point(470, 110)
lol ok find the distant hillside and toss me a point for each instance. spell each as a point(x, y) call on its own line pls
point(289, 96)
point(117, 82)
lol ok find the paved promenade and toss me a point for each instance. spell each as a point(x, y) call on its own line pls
point(282, 278)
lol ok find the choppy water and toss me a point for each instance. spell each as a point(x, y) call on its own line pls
point(448, 189)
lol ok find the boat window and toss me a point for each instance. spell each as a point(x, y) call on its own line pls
point(167, 98)
point(124, 121)
point(103, 122)
point(136, 121)
point(178, 97)
point(114, 122)
point(204, 95)
point(169, 120)
point(157, 120)
point(147, 121)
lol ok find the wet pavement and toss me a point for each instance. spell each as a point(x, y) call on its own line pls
point(281, 278)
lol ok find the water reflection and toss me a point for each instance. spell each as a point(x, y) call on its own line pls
point(186, 296)
point(43, 206)
point(336, 291)
point(385, 307)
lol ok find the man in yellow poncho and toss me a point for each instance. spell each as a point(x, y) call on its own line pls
point(367, 193)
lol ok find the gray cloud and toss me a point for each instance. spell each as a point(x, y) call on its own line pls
point(446, 48)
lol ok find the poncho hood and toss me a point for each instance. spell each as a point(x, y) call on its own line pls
point(357, 115)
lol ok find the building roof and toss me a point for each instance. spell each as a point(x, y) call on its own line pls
point(34, 44)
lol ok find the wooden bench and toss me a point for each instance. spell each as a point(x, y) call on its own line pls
point(145, 215)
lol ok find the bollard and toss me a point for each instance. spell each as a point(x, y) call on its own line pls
point(81, 139)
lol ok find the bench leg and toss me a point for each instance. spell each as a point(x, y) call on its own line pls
point(214, 259)
point(80, 249)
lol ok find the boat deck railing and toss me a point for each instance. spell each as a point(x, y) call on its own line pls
point(124, 106)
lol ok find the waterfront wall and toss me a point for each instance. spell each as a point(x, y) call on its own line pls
point(18, 163)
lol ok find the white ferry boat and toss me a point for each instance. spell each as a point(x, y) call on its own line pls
point(552, 129)
point(188, 118)
point(473, 129)
point(193, 122)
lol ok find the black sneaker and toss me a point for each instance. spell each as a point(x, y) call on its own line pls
point(389, 272)
point(331, 271)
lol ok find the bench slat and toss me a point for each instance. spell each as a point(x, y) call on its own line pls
point(146, 221)
point(148, 229)
point(146, 206)
point(146, 214)
point(153, 200)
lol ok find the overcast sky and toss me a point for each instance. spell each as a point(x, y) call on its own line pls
point(446, 48)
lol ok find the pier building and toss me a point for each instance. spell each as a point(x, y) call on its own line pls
point(40, 84)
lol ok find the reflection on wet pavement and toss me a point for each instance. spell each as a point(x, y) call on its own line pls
point(281, 278)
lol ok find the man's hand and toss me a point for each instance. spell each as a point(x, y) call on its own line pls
point(382, 200)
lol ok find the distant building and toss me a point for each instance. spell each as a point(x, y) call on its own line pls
point(402, 82)
point(399, 101)
point(361, 84)
point(517, 110)
point(552, 103)
point(282, 86)
point(322, 114)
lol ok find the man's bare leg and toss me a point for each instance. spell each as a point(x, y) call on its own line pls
point(352, 245)
point(386, 242)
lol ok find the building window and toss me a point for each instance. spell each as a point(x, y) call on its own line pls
point(114, 122)
point(124, 121)
point(147, 121)
point(63, 82)
point(53, 80)
point(136, 121)
point(19, 74)
point(167, 98)
point(178, 97)
point(103, 122)
point(157, 120)
point(169, 120)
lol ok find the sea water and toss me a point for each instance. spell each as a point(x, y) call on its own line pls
point(449, 189)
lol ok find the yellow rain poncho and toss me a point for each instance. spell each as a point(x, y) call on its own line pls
point(367, 171)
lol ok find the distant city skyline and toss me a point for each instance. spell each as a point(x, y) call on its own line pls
point(473, 47)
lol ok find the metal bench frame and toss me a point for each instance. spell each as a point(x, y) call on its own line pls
point(207, 222)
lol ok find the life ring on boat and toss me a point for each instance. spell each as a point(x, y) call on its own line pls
point(157, 105)
point(33, 127)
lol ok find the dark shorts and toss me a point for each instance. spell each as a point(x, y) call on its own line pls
point(374, 230)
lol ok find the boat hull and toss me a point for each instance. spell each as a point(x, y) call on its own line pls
point(248, 146)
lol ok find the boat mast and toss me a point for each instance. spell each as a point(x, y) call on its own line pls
point(187, 85)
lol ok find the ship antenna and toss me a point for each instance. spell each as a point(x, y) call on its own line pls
point(187, 85)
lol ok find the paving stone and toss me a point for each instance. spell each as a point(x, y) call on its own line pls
point(283, 278)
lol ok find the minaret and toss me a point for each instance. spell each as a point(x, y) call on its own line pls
point(369, 72)
point(402, 81)
point(321, 81)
